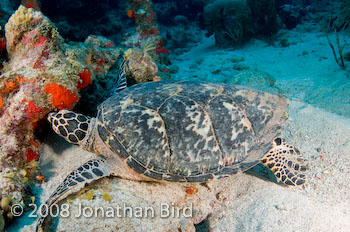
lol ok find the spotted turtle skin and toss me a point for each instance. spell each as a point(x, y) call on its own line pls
point(189, 131)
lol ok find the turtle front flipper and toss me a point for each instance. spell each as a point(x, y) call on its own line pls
point(286, 163)
point(76, 180)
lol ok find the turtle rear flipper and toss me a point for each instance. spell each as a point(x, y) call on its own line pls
point(286, 163)
point(76, 180)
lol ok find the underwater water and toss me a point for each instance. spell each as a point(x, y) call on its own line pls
point(74, 55)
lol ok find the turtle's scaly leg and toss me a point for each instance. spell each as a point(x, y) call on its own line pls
point(286, 162)
point(76, 180)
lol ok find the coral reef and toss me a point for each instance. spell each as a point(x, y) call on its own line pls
point(3, 53)
point(230, 21)
point(31, 4)
point(42, 74)
point(32, 44)
point(147, 43)
point(101, 56)
point(141, 66)
point(147, 32)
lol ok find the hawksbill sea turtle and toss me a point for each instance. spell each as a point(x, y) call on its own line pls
point(184, 131)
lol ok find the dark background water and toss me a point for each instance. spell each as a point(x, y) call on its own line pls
point(184, 23)
point(79, 18)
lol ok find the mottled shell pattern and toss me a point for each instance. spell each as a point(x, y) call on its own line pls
point(188, 130)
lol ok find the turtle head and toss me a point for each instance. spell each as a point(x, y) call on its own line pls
point(71, 126)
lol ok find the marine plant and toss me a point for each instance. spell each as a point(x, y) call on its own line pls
point(338, 22)
point(337, 53)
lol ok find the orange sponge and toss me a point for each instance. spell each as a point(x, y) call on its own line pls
point(85, 77)
point(1, 102)
point(61, 97)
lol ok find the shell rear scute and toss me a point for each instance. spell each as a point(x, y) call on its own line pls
point(261, 108)
point(265, 112)
point(259, 114)
point(232, 127)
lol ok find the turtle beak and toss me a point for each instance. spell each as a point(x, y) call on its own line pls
point(50, 116)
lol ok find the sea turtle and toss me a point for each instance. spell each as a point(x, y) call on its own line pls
point(184, 131)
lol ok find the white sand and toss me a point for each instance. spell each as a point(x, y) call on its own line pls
point(306, 70)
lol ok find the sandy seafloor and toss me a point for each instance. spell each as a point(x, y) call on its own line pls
point(318, 125)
